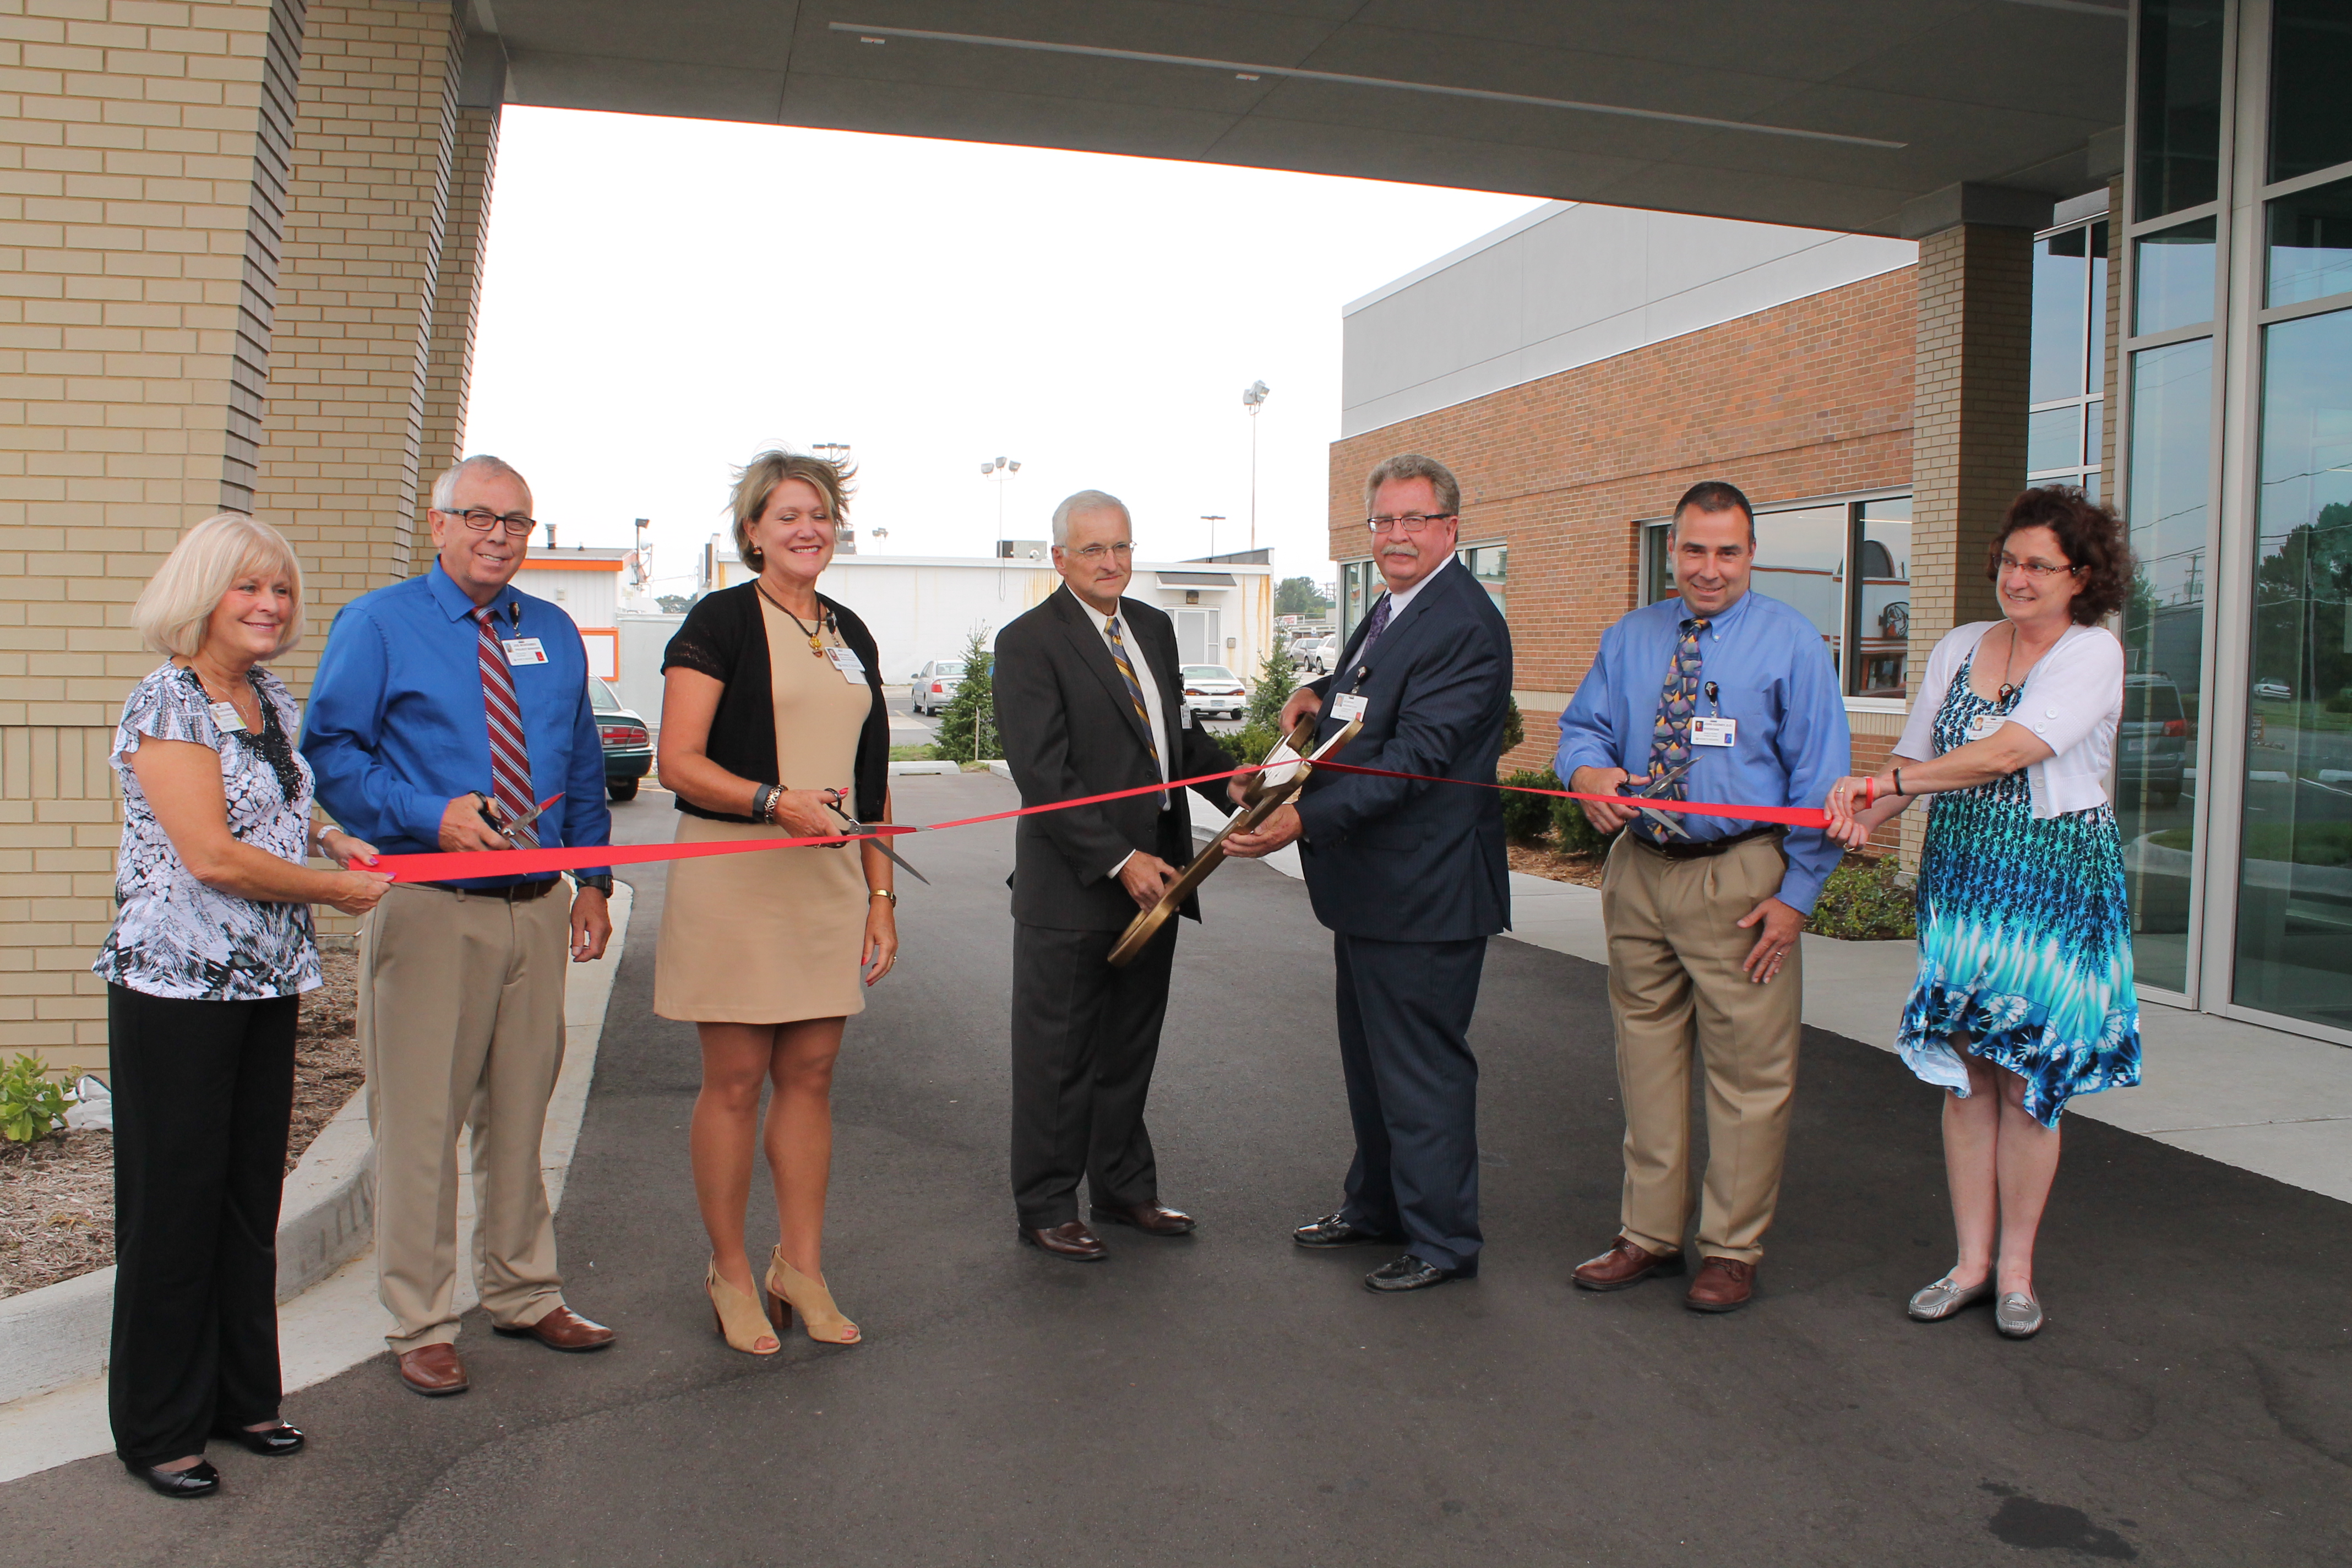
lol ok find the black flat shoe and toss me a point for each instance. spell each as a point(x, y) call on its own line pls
point(199, 1480)
point(269, 1441)
point(1333, 1231)
point(1409, 1273)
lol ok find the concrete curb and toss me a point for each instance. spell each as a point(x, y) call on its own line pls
point(918, 770)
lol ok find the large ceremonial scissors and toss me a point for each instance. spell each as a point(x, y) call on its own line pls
point(873, 836)
point(1655, 789)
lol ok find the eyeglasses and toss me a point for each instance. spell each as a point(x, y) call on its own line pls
point(481, 518)
point(1096, 553)
point(2039, 571)
point(1408, 522)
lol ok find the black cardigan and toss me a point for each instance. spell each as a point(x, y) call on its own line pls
point(726, 638)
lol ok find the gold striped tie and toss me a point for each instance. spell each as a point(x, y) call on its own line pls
point(1134, 692)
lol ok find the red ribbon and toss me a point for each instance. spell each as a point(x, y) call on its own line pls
point(540, 862)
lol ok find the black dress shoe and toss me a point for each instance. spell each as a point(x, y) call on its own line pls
point(269, 1441)
point(1153, 1220)
point(1409, 1273)
point(1333, 1231)
point(1070, 1239)
point(199, 1480)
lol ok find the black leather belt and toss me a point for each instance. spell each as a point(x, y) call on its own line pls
point(513, 893)
point(1704, 847)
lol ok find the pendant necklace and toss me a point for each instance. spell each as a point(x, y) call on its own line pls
point(823, 622)
point(2008, 667)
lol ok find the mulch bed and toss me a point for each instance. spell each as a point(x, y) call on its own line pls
point(1539, 861)
point(57, 1196)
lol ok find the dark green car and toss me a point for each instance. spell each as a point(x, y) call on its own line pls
point(628, 744)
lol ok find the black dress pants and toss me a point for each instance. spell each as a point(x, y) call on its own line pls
point(1084, 1039)
point(203, 1093)
point(1413, 1091)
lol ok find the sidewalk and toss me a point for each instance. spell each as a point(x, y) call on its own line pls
point(2272, 1103)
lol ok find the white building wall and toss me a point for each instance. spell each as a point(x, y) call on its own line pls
point(590, 598)
point(1569, 284)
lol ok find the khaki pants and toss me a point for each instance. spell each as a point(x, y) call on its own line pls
point(461, 1023)
point(1675, 980)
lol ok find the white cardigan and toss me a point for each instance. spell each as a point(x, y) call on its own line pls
point(2072, 699)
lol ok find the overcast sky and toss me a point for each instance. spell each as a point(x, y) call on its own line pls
point(664, 296)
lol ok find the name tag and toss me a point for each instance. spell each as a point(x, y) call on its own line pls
point(1718, 731)
point(525, 650)
point(845, 659)
point(224, 715)
point(1349, 705)
point(1984, 724)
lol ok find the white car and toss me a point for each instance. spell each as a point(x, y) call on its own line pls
point(2274, 690)
point(1211, 691)
point(935, 685)
point(1317, 657)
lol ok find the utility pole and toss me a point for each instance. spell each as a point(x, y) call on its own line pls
point(1252, 399)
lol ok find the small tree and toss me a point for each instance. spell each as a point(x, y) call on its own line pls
point(676, 604)
point(1298, 597)
point(967, 732)
point(1272, 689)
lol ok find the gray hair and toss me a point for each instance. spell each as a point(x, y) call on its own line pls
point(1087, 500)
point(444, 489)
point(1413, 466)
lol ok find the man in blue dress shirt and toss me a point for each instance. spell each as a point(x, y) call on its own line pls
point(445, 707)
point(1729, 696)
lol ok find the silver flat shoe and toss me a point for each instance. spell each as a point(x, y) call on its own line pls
point(2018, 1316)
point(1943, 1298)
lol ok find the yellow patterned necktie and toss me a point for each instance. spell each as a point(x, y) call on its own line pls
point(1134, 694)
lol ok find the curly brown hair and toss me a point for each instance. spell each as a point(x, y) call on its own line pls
point(2092, 538)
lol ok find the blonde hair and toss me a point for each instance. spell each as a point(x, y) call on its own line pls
point(756, 481)
point(178, 602)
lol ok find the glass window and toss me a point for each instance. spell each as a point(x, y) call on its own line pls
point(1353, 576)
point(602, 698)
point(1657, 567)
point(2172, 283)
point(2311, 59)
point(2295, 889)
point(2053, 439)
point(1490, 564)
point(2096, 380)
point(2061, 308)
point(2311, 242)
point(1800, 560)
point(2164, 643)
point(1882, 599)
point(2179, 142)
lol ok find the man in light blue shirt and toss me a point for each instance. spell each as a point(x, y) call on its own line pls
point(446, 708)
point(1718, 694)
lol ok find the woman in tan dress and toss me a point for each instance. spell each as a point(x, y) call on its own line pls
point(773, 726)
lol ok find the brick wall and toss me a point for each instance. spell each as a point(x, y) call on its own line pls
point(456, 310)
point(1809, 398)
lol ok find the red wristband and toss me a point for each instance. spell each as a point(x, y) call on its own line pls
point(1870, 791)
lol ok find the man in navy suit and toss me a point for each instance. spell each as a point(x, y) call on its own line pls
point(1410, 877)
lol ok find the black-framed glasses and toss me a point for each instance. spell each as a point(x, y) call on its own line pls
point(2039, 571)
point(1407, 522)
point(481, 518)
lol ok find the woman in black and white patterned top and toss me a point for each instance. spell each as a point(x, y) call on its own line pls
point(211, 948)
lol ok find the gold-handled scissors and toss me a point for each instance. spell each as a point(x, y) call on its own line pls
point(872, 834)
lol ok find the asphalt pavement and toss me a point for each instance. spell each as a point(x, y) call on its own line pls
point(1230, 1399)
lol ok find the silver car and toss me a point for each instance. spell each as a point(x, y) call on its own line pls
point(935, 685)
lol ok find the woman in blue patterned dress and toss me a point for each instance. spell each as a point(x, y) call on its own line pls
point(2024, 997)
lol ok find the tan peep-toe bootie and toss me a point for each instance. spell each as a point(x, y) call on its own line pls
point(737, 1317)
point(790, 1290)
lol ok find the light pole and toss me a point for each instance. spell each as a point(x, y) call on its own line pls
point(645, 560)
point(1000, 471)
point(1213, 519)
point(1254, 399)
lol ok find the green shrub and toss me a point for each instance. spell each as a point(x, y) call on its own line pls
point(1865, 900)
point(1250, 743)
point(1526, 817)
point(2340, 703)
point(967, 732)
point(1572, 831)
point(1515, 727)
point(31, 1106)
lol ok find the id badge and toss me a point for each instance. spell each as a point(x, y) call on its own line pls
point(1984, 724)
point(224, 715)
point(845, 659)
point(525, 650)
point(1348, 706)
point(1716, 731)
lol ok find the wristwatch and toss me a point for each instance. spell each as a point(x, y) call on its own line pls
point(601, 881)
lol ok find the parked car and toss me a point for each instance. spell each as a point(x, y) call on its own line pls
point(628, 744)
point(1211, 691)
point(935, 685)
point(2277, 690)
point(2152, 742)
point(1320, 656)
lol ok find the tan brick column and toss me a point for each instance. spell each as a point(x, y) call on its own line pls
point(143, 155)
point(372, 144)
point(1968, 432)
point(457, 307)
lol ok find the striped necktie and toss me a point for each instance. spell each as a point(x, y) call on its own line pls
point(1670, 745)
point(1134, 695)
point(509, 758)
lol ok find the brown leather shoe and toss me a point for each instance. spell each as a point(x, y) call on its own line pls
point(1070, 1239)
point(1627, 1262)
point(560, 1330)
point(1724, 1285)
point(1153, 1220)
point(434, 1371)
